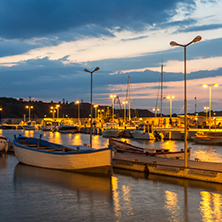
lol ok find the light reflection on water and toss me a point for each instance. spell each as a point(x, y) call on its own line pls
point(126, 196)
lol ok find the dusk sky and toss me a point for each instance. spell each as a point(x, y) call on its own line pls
point(45, 46)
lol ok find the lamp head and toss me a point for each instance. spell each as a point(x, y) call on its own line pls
point(197, 39)
point(173, 43)
point(96, 69)
point(86, 70)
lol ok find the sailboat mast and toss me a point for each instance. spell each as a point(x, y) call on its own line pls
point(161, 109)
point(129, 97)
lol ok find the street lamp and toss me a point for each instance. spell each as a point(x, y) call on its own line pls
point(113, 100)
point(29, 107)
point(206, 108)
point(95, 106)
point(0, 115)
point(124, 103)
point(57, 107)
point(170, 98)
point(156, 110)
point(52, 110)
point(205, 86)
point(78, 103)
point(86, 70)
point(196, 39)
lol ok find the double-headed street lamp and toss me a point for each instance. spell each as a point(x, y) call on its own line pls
point(78, 103)
point(53, 110)
point(170, 98)
point(196, 39)
point(156, 110)
point(29, 107)
point(91, 72)
point(205, 86)
point(113, 100)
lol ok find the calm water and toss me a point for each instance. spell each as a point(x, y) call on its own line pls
point(35, 194)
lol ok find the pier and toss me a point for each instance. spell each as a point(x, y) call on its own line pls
point(196, 170)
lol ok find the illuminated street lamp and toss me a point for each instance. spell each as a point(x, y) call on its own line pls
point(78, 103)
point(170, 98)
point(124, 103)
point(156, 110)
point(86, 70)
point(113, 99)
point(205, 86)
point(0, 115)
point(57, 107)
point(29, 107)
point(52, 110)
point(95, 106)
point(206, 108)
point(196, 39)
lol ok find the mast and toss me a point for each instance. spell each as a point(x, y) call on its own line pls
point(161, 110)
point(129, 97)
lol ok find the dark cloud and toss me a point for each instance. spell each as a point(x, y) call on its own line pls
point(37, 18)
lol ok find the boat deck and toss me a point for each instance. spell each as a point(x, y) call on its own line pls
point(197, 170)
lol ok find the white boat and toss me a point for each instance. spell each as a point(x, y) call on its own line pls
point(41, 153)
point(47, 125)
point(111, 130)
point(123, 147)
point(68, 129)
point(30, 126)
point(208, 138)
point(3, 143)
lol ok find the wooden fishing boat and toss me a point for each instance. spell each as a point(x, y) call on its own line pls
point(208, 138)
point(120, 146)
point(41, 153)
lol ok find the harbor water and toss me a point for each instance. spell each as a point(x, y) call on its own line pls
point(36, 194)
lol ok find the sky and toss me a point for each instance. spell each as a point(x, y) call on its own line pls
point(46, 45)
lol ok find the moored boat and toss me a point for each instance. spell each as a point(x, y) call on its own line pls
point(208, 138)
point(120, 146)
point(68, 129)
point(41, 153)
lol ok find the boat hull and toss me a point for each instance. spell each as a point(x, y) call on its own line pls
point(96, 161)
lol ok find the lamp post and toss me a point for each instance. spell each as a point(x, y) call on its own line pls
point(170, 98)
point(113, 99)
point(206, 108)
point(29, 108)
point(78, 103)
point(52, 110)
point(124, 103)
point(205, 86)
point(86, 70)
point(0, 115)
point(156, 110)
point(95, 106)
point(57, 107)
point(196, 39)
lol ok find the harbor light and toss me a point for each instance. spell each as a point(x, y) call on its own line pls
point(78, 103)
point(91, 72)
point(205, 86)
point(57, 107)
point(113, 101)
point(29, 108)
point(173, 43)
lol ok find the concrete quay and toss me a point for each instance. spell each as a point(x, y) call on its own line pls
point(196, 170)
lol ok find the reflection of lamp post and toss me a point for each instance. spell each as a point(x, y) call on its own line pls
point(156, 110)
point(170, 98)
point(57, 107)
point(113, 99)
point(124, 103)
point(205, 86)
point(78, 103)
point(86, 70)
point(196, 39)
point(95, 106)
point(52, 111)
point(206, 108)
point(29, 107)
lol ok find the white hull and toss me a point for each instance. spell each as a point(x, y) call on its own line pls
point(111, 133)
point(137, 134)
point(67, 129)
point(62, 160)
point(29, 127)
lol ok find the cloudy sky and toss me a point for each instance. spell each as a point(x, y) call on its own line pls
point(45, 46)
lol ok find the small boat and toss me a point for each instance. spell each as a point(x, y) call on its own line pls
point(208, 138)
point(112, 130)
point(41, 153)
point(123, 147)
point(3, 143)
point(68, 129)
point(29, 126)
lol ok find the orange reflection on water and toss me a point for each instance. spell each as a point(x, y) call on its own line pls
point(126, 197)
point(210, 206)
point(29, 133)
point(171, 145)
point(54, 137)
point(172, 205)
point(208, 155)
point(116, 197)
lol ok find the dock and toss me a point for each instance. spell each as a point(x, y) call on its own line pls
point(196, 170)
